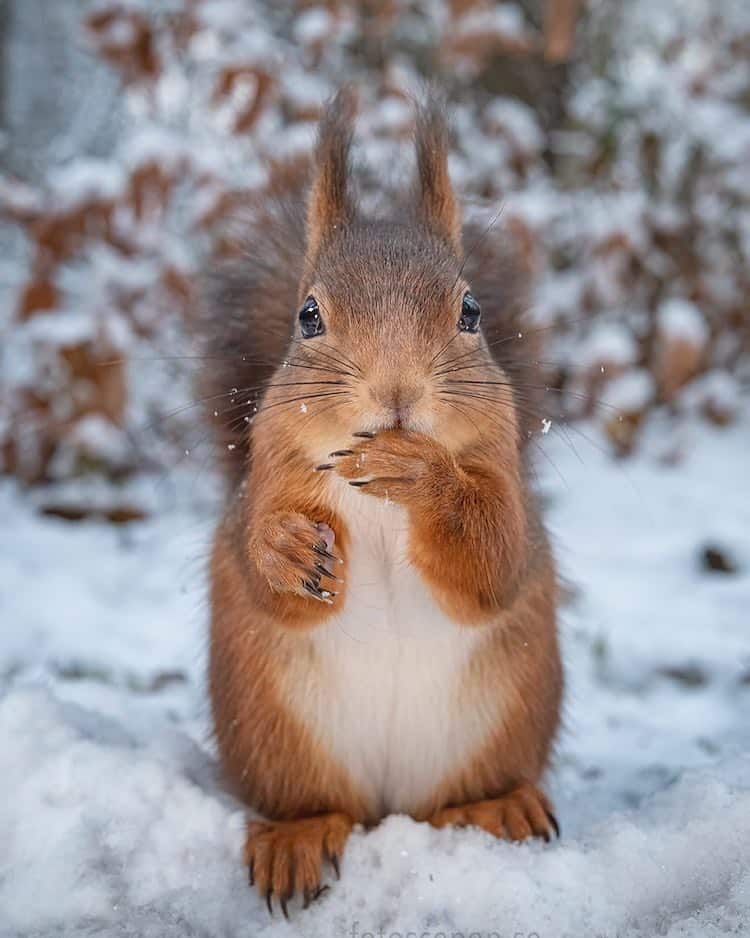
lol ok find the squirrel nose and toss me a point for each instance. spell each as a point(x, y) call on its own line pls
point(397, 397)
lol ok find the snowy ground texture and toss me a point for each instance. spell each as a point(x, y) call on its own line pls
point(111, 818)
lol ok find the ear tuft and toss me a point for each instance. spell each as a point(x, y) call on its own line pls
point(330, 204)
point(436, 200)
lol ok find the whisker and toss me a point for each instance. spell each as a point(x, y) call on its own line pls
point(344, 395)
point(307, 396)
point(498, 422)
point(325, 362)
point(509, 365)
point(302, 397)
point(188, 406)
point(340, 357)
point(440, 352)
point(478, 242)
point(567, 392)
point(461, 410)
point(517, 336)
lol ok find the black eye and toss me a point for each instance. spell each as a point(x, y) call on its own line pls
point(471, 313)
point(310, 322)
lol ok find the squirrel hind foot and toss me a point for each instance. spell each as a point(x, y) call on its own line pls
point(285, 858)
point(522, 813)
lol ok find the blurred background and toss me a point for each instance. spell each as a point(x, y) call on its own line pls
point(614, 139)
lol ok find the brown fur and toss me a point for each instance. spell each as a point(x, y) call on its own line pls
point(521, 813)
point(437, 203)
point(390, 296)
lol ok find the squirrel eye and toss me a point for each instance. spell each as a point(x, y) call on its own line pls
point(310, 321)
point(471, 313)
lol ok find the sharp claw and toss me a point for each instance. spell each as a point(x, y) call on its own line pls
point(269, 904)
point(323, 572)
point(553, 822)
point(335, 865)
point(322, 552)
point(341, 452)
point(545, 834)
point(323, 596)
point(319, 892)
point(306, 901)
point(283, 902)
point(357, 483)
point(325, 465)
point(251, 872)
point(365, 434)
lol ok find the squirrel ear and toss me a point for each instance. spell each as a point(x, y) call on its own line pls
point(330, 202)
point(437, 202)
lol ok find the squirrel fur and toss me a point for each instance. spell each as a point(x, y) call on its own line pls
point(383, 595)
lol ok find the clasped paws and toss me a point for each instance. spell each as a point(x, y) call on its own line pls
point(393, 465)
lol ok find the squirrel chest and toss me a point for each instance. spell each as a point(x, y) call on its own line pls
point(386, 684)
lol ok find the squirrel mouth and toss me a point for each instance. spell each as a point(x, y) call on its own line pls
point(396, 423)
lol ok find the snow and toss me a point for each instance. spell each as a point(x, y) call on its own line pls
point(313, 25)
point(608, 344)
point(504, 20)
point(716, 391)
point(65, 328)
point(114, 822)
point(631, 392)
point(84, 180)
point(680, 319)
point(154, 145)
point(518, 122)
point(99, 438)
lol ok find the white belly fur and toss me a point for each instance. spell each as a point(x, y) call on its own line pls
point(383, 690)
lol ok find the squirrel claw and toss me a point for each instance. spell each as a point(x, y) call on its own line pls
point(313, 895)
point(322, 595)
point(341, 452)
point(553, 821)
point(321, 570)
point(322, 552)
point(365, 434)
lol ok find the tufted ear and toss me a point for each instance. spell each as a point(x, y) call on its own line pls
point(437, 202)
point(330, 205)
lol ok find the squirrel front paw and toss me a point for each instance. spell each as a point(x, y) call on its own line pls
point(295, 555)
point(393, 464)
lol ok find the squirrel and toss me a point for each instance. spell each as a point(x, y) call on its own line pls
point(382, 591)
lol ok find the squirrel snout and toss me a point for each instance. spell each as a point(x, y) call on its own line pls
point(399, 398)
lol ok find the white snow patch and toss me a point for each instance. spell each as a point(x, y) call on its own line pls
point(717, 390)
point(63, 328)
point(518, 122)
point(84, 180)
point(609, 344)
point(681, 319)
point(503, 20)
point(313, 25)
point(631, 392)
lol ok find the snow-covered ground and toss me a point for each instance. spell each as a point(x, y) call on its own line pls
point(112, 821)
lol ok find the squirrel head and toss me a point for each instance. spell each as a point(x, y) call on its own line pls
point(387, 325)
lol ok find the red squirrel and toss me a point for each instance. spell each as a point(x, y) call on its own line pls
point(383, 595)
